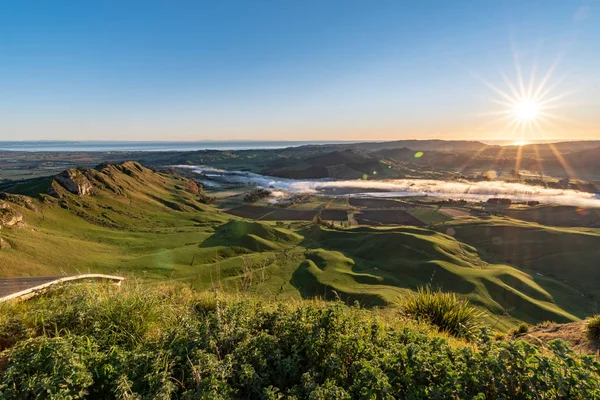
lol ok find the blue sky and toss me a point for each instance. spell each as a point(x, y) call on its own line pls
point(291, 69)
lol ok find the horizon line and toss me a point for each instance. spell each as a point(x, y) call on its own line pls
point(291, 141)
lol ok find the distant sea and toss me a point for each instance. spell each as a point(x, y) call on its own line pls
point(84, 145)
point(153, 146)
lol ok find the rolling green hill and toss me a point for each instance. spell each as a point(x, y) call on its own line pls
point(128, 219)
point(569, 255)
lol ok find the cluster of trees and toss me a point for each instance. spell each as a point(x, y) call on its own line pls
point(256, 195)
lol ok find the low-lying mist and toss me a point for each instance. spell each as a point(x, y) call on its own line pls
point(406, 187)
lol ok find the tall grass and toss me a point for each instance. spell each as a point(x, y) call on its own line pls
point(445, 311)
point(592, 329)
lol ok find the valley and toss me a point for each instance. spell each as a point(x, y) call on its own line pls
point(517, 263)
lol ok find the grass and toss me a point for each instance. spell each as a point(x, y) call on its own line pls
point(429, 216)
point(544, 251)
point(593, 329)
point(521, 330)
point(445, 311)
point(167, 341)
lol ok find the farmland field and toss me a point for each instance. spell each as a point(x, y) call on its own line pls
point(272, 213)
point(378, 203)
point(250, 212)
point(386, 217)
point(330, 214)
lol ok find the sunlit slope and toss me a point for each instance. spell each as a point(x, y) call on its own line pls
point(382, 262)
point(568, 254)
point(136, 219)
point(377, 266)
point(155, 226)
point(253, 236)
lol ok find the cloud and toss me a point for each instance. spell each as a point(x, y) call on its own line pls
point(582, 13)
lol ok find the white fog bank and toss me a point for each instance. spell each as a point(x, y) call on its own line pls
point(408, 187)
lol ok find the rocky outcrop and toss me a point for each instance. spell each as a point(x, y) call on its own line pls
point(74, 181)
point(23, 201)
point(55, 190)
point(10, 218)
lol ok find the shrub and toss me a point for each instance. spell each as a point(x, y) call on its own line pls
point(212, 346)
point(11, 331)
point(521, 330)
point(445, 311)
point(45, 367)
point(592, 329)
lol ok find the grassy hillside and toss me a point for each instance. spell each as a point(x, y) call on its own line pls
point(567, 254)
point(157, 227)
point(137, 220)
point(346, 164)
point(408, 257)
point(101, 342)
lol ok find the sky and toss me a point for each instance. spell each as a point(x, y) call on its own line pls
point(299, 70)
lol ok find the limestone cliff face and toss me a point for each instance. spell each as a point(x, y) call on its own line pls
point(74, 181)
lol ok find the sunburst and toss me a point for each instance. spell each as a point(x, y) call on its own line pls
point(528, 106)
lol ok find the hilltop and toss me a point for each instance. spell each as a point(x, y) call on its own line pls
point(347, 164)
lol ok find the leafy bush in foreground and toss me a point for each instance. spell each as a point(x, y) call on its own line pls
point(593, 329)
point(444, 310)
point(215, 347)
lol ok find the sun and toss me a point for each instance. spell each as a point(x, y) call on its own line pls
point(527, 110)
point(528, 104)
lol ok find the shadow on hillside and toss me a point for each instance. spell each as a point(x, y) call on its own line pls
point(309, 287)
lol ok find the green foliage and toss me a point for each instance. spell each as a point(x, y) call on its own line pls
point(444, 310)
point(256, 195)
point(211, 346)
point(521, 330)
point(592, 329)
point(53, 368)
point(11, 330)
